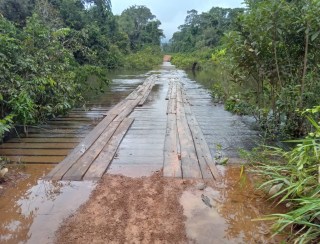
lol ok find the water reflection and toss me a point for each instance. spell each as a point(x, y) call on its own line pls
point(33, 210)
point(235, 207)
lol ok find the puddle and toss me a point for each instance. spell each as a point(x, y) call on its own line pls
point(236, 206)
point(33, 209)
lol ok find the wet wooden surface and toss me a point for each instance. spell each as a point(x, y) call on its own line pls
point(169, 122)
point(91, 158)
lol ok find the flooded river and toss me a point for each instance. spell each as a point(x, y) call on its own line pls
point(31, 210)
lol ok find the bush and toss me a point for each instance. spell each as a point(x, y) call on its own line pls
point(146, 59)
point(296, 172)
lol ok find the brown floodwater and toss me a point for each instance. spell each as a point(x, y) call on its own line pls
point(234, 212)
point(33, 209)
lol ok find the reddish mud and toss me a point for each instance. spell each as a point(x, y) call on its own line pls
point(161, 210)
point(129, 210)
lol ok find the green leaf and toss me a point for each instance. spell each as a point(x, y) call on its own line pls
point(315, 35)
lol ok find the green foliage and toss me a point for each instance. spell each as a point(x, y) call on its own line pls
point(201, 58)
point(297, 172)
point(147, 58)
point(5, 125)
point(274, 57)
point(203, 30)
point(141, 26)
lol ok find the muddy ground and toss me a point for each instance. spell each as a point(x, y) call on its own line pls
point(161, 210)
point(129, 210)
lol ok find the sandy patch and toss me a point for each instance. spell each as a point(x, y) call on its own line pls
point(129, 210)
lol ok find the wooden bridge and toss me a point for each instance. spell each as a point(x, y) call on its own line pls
point(186, 153)
point(167, 122)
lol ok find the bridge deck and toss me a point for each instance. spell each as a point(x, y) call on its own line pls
point(137, 134)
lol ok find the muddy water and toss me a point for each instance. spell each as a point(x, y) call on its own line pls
point(233, 212)
point(33, 209)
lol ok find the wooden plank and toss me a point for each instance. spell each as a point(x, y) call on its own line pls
point(79, 168)
point(171, 162)
point(203, 148)
point(31, 145)
point(118, 107)
point(36, 159)
point(169, 90)
point(50, 126)
point(66, 164)
point(44, 140)
point(34, 152)
point(128, 110)
point(134, 95)
point(54, 135)
point(199, 140)
point(78, 118)
point(141, 152)
point(124, 161)
point(189, 160)
point(179, 93)
point(85, 114)
point(34, 131)
point(172, 106)
point(100, 165)
point(72, 122)
point(146, 94)
point(174, 91)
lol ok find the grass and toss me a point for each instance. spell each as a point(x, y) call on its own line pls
point(297, 171)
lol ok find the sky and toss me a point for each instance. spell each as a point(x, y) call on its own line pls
point(172, 13)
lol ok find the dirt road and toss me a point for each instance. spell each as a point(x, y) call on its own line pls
point(130, 210)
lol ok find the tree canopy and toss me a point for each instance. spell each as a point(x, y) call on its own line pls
point(204, 30)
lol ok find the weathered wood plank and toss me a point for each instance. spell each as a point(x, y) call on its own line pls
point(50, 126)
point(171, 162)
point(199, 140)
point(54, 135)
point(179, 93)
point(128, 110)
point(100, 165)
point(207, 165)
point(189, 160)
point(203, 148)
point(34, 152)
point(172, 106)
point(45, 140)
point(138, 161)
point(32, 145)
point(65, 165)
point(79, 168)
point(77, 118)
point(169, 90)
point(36, 159)
point(174, 91)
point(146, 94)
point(33, 131)
point(134, 95)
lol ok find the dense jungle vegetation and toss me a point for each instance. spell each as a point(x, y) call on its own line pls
point(264, 61)
point(48, 49)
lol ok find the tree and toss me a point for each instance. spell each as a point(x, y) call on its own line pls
point(276, 48)
point(204, 30)
point(141, 26)
point(17, 10)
